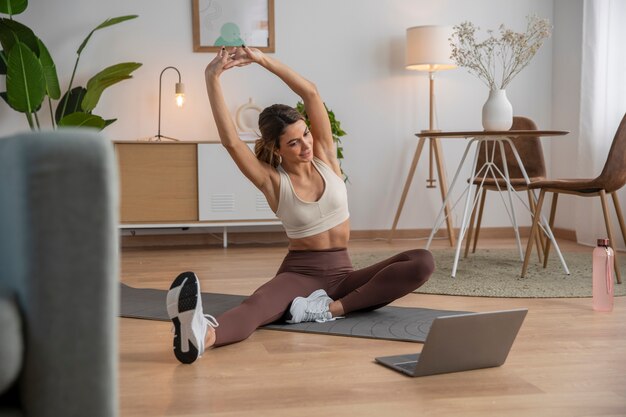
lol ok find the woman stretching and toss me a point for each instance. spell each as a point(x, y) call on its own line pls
point(298, 172)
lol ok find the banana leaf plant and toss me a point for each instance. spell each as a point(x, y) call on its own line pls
point(31, 75)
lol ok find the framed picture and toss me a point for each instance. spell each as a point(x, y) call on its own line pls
point(218, 23)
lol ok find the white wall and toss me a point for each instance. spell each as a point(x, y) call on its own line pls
point(352, 49)
point(567, 58)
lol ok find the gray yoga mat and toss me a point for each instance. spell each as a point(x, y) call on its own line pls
point(390, 323)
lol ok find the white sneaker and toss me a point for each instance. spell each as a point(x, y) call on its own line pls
point(184, 307)
point(312, 308)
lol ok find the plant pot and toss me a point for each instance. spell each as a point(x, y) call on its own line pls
point(497, 111)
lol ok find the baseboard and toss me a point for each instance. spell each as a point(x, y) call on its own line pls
point(280, 238)
point(205, 239)
point(486, 232)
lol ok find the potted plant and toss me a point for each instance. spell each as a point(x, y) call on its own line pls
point(335, 126)
point(497, 60)
point(31, 75)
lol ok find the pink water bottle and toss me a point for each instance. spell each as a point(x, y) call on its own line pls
point(603, 259)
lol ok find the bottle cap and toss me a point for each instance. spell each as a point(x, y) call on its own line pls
point(603, 242)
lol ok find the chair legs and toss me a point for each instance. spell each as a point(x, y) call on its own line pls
point(533, 230)
point(555, 199)
point(609, 230)
point(607, 222)
point(482, 195)
point(539, 242)
point(538, 237)
point(620, 218)
point(479, 220)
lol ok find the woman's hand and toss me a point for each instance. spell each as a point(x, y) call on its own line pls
point(217, 66)
point(234, 57)
point(245, 55)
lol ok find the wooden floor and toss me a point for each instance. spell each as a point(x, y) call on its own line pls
point(566, 361)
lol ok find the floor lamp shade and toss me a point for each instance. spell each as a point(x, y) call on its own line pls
point(428, 48)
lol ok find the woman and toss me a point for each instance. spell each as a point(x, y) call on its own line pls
point(298, 172)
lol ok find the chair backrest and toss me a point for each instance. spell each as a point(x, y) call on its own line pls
point(613, 176)
point(529, 149)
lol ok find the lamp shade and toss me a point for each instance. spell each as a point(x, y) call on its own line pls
point(428, 48)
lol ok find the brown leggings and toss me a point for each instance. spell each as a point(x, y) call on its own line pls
point(303, 272)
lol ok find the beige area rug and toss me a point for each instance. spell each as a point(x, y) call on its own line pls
point(496, 273)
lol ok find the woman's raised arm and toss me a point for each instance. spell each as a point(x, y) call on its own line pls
point(256, 171)
point(323, 145)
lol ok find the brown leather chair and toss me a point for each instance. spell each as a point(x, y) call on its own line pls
point(531, 155)
point(612, 178)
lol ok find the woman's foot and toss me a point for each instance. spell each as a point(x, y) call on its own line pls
point(315, 307)
point(191, 325)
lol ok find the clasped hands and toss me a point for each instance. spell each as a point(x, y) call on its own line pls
point(234, 57)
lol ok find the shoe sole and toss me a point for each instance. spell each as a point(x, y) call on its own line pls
point(187, 300)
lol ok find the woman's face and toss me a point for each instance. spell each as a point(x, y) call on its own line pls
point(296, 143)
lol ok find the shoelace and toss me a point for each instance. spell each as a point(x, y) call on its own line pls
point(211, 321)
point(320, 316)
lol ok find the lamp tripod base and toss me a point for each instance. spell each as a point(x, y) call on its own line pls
point(159, 138)
point(431, 181)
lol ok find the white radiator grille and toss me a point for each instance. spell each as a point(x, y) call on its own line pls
point(222, 203)
point(261, 203)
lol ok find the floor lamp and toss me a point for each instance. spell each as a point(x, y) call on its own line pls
point(179, 96)
point(428, 49)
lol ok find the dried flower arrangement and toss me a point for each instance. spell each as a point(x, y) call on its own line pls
point(499, 58)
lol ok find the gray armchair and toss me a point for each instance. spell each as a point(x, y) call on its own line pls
point(58, 275)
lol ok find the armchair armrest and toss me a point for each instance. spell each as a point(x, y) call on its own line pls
point(59, 254)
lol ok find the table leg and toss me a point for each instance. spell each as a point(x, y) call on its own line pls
point(546, 228)
point(464, 223)
point(509, 188)
point(443, 186)
point(438, 220)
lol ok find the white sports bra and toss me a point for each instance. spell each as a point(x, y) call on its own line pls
point(303, 218)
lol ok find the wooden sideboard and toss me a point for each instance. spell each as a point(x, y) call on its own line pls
point(185, 184)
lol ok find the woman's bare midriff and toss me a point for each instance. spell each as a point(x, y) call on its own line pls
point(335, 238)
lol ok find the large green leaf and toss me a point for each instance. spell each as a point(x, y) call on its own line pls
point(73, 98)
point(106, 23)
point(26, 87)
point(12, 7)
point(109, 122)
point(81, 119)
point(49, 72)
point(12, 31)
point(93, 94)
point(104, 79)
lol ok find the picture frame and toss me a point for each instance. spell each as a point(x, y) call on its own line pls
point(218, 23)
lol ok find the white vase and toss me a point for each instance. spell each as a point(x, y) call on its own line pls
point(497, 111)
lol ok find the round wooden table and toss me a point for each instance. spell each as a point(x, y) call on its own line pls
point(477, 138)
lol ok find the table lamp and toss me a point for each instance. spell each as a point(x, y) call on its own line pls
point(179, 97)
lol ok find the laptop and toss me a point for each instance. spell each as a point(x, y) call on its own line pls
point(462, 342)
